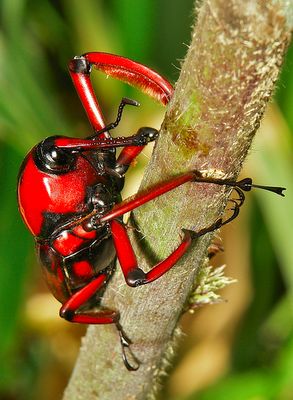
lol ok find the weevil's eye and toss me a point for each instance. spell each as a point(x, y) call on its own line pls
point(50, 158)
point(59, 158)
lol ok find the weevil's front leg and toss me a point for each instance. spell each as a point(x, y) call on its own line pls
point(138, 75)
point(122, 68)
point(80, 71)
point(133, 73)
point(142, 198)
point(126, 157)
point(70, 311)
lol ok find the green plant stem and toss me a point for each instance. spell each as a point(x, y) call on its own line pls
point(228, 76)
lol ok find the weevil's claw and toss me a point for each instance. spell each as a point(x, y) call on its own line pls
point(125, 345)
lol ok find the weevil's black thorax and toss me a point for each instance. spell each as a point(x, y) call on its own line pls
point(52, 159)
point(104, 161)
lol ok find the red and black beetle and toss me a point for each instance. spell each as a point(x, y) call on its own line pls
point(69, 198)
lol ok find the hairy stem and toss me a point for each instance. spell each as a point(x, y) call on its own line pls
point(227, 78)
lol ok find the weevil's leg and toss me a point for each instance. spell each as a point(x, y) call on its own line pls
point(134, 276)
point(236, 208)
point(131, 203)
point(193, 176)
point(80, 71)
point(235, 213)
point(121, 68)
point(246, 185)
point(133, 73)
point(218, 224)
point(125, 345)
point(136, 74)
point(70, 311)
point(142, 198)
point(129, 153)
point(241, 198)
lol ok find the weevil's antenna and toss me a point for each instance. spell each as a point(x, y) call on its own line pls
point(125, 101)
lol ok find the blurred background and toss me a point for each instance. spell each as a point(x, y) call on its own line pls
point(241, 348)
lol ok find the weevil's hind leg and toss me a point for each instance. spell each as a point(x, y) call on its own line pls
point(71, 312)
point(134, 275)
point(70, 308)
point(241, 197)
point(235, 212)
point(216, 245)
point(218, 224)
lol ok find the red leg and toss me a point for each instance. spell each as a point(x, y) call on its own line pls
point(127, 155)
point(69, 311)
point(83, 85)
point(133, 73)
point(193, 176)
point(121, 68)
point(134, 276)
point(144, 197)
point(132, 203)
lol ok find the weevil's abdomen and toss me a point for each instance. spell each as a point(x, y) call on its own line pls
point(77, 266)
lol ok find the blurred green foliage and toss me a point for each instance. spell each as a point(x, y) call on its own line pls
point(37, 99)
